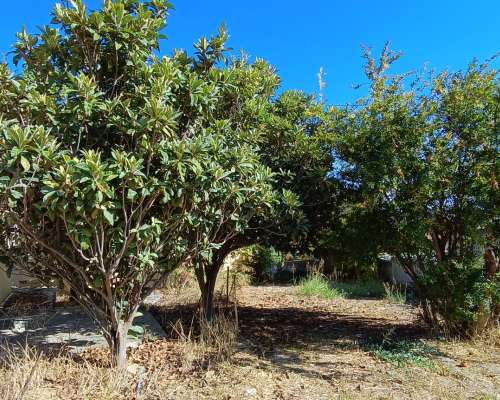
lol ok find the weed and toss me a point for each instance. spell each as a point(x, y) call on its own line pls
point(318, 285)
point(395, 293)
point(404, 352)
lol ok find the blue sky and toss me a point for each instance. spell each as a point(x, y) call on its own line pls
point(298, 37)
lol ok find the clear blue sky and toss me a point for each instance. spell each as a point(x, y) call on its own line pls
point(298, 37)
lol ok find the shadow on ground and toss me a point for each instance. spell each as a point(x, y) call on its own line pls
point(280, 334)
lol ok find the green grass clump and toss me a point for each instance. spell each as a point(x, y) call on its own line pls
point(318, 285)
point(395, 293)
point(361, 289)
point(405, 352)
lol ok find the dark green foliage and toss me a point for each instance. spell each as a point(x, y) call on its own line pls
point(457, 291)
point(360, 289)
point(262, 260)
point(117, 166)
point(423, 159)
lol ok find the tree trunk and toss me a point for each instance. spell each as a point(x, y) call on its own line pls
point(207, 293)
point(207, 276)
point(118, 344)
point(492, 263)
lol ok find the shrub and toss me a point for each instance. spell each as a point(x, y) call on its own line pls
point(473, 302)
point(422, 157)
point(262, 261)
point(118, 166)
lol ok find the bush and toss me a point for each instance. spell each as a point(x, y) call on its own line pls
point(474, 303)
point(263, 259)
point(435, 193)
point(258, 261)
point(117, 168)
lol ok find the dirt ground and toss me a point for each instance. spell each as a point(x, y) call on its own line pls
point(290, 347)
point(295, 347)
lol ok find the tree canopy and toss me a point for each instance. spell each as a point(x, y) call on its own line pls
point(424, 157)
point(116, 165)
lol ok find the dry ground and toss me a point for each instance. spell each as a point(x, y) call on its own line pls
point(290, 347)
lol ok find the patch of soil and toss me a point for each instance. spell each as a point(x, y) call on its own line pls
point(275, 317)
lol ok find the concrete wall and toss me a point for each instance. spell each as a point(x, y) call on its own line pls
point(19, 279)
point(398, 274)
point(4, 283)
point(392, 271)
point(16, 279)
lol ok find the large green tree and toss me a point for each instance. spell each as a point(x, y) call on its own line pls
point(290, 145)
point(424, 156)
point(116, 165)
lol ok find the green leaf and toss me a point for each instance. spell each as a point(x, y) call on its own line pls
point(131, 194)
point(25, 163)
point(16, 194)
point(109, 216)
point(136, 331)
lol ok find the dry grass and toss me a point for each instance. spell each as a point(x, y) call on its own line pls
point(214, 341)
point(221, 334)
point(490, 338)
point(27, 374)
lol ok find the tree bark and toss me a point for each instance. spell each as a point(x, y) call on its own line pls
point(117, 341)
point(492, 262)
point(207, 292)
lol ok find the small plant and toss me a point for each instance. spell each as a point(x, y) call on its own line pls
point(404, 352)
point(395, 293)
point(318, 285)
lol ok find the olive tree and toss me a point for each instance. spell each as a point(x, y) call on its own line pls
point(115, 167)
